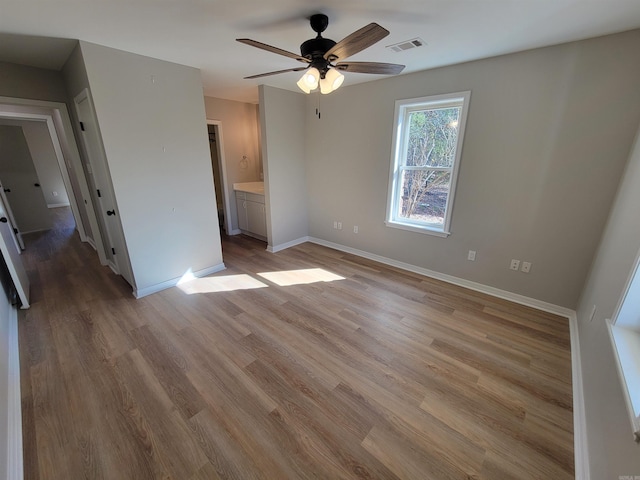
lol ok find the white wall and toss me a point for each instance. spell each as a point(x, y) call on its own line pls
point(282, 118)
point(612, 451)
point(547, 137)
point(239, 129)
point(152, 119)
point(18, 174)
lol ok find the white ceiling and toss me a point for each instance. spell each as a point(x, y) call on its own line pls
point(202, 33)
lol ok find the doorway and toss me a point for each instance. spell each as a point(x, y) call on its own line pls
point(218, 164)
point(58, 123)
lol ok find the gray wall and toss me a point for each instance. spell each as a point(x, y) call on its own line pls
point(239, 131)
point(18, 174)
point(29, 82)
point(282, 118)
point(548, 134)
point(612, 451)
point(152, 120)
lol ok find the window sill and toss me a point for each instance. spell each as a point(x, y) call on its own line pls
point(626, 347)
point(417, 229)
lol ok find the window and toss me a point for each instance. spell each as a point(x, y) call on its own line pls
point(427, 143)
point(624, 330)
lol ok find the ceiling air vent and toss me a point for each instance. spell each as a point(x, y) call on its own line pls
point(407, 45)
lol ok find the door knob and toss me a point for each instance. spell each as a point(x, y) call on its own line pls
point(3, 220)
point(111, 212)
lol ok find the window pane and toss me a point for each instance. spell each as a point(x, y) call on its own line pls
point(433, 135)
point(424, 196)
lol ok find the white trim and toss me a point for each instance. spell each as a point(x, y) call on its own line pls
point(56, 205)
point(626, 364)
point(14, 447)
point(580, 443)
point(235, 231)
point(478, 287)
point(143, 292)
point(92, 243)
point(286, 245)
point(416, 228)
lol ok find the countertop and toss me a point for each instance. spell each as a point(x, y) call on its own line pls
point(250, 187)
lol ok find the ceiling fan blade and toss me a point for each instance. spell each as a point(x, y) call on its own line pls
point(356, 42)
point(269, 48)
point(370, 67)
point(276, 72)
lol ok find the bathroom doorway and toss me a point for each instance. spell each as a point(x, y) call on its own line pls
point(216, 148)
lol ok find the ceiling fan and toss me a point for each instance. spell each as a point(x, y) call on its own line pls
point(320, 54)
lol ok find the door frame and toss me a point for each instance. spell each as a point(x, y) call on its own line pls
point(58, 121)
point(120, 262)
point(222, 165)
point(4, 203)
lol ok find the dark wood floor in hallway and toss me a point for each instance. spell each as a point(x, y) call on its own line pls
point(305, 364)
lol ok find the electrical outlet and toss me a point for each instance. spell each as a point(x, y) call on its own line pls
point(339, 225)
point(472, 255)
point(515, 264)
point(355, 229)
point(335, 225)
point(526, 267)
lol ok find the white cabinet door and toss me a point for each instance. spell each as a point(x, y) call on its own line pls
point(256, 218)
point(241, 206)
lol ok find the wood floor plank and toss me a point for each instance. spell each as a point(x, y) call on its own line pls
point(377, 374)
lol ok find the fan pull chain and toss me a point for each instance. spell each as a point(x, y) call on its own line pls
point(318, 112)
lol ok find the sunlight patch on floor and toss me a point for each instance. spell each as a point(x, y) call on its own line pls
point(287, 278)
point(225, 283)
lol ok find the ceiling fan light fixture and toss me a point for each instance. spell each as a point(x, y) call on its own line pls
point(331, 81)
point(309, 80)
point(303, 86)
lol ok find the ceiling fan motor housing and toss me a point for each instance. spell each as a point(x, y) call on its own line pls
point(316, 47)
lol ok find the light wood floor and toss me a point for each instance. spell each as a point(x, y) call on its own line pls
point(383, 374)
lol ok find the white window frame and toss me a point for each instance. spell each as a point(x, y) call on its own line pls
point(624, 332)
point(399, 146)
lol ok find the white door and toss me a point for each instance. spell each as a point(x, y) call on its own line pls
point(12, 258)
point(115, 250)
point(17, 236)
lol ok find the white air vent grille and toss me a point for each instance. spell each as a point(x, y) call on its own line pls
point(407, 45)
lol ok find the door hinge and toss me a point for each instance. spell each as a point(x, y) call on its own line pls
point(82, 126)
point(99, 194)
point(113, 250)
point(15, 230)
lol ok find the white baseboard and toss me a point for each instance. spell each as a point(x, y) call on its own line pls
point(14, 451)
point(286, 245)
point(580, 445)
point(90, 241)
point(581, 453)
point(143, 292)
point(478, 287)
point(237, 231)
point(56, 205)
